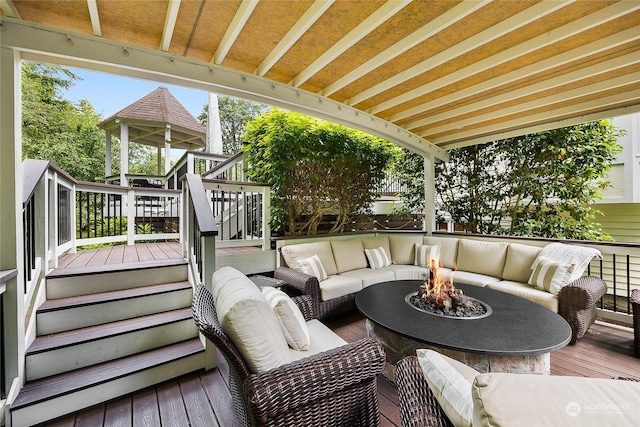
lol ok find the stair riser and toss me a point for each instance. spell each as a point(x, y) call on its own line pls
point(63, 287)
point(98, 314)
point(85, 398)
point(84, 354)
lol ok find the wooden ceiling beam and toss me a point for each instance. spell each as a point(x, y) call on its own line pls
point(237, 23)
point(9, 9)
point(169, 24)
point(370, 24)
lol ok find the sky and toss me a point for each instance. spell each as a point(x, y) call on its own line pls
point(109, 94)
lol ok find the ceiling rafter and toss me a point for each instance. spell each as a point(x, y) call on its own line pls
point(237, 23)
point(576, 27)
point(548, 119)
point(541, 86)
point(511, 24)
point(317, 9)
point(9, 9)
point(169, 24)
point(581, 52)
point(542, 102)
point(95, 17)
point(370, 24)
point(443, 21)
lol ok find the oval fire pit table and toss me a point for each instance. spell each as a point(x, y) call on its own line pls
point(517, 336)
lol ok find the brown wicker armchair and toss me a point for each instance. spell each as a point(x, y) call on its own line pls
point(577, 304)
point(305, 284)
point(334, 388)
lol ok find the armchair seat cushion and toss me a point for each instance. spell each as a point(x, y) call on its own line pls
point(321, 339)
point(525, 291)
point(339, 286)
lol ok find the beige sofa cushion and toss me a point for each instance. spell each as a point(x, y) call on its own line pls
point(348, 254)
point(470, 278)
point(339, 286)
point(405, 272)
point(370, 277)
point(520, 258)
point(378, 257)
point(450, 381)
point(448, 248)
point(525, 291)
point(501, 399)
point(402, 248)
point(322, 339)
point(482, 257)
point(549, 275)
point(292, 253)
point(249, 321)
point(313, 267)
point(374, 242)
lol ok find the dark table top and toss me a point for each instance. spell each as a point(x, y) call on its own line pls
point(516, 327)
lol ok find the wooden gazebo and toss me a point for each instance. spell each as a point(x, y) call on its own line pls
point(158, 120)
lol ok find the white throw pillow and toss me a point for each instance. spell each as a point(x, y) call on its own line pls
point(425, 254)
point(451, 383)
point(290, 317)
point(378, 258)
point(549, 275)
point(313, 267)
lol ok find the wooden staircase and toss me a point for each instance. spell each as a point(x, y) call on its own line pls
point(102, 334)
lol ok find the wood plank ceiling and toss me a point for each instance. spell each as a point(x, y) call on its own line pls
point(455, 73)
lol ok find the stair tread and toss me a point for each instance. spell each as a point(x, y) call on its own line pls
point(92, 333)
point(57, 385)
point(84, 300)
point(111, 268)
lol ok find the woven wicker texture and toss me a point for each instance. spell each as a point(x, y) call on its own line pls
point(577, 304)
point(418, 405)
point(334, 388)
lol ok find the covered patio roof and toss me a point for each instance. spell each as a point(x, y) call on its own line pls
point(428, 75)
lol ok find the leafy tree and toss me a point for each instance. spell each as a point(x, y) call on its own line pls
point(315, 168)
point(235, 113)
point(56, 129)
point(540, 185)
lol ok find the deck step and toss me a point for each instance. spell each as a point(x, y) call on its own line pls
point(64, 314)
point(64, 351)
point(71, 282)
point(58, 395)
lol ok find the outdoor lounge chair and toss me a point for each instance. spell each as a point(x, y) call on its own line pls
point(332, 388)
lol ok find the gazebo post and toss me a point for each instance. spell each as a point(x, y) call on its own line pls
point(124, 154)
point(167, 148)
point(107, 154)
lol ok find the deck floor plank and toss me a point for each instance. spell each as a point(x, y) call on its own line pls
point(157, 253)
point(130, 254)
point(172, 410)
point(116, 256)
point(218, 392)
point(118, 412)
point(146, 412)
point(197, 402)
point(82, 258)
point(144, 254)
point(100, 258)
point(92, 417)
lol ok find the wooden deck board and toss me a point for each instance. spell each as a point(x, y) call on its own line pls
point(605, 351)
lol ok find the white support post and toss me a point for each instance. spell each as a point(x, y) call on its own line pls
point(266, 214)
point(429, 214)
point(12, 241)
point(124, 154)
point(167, 151)
point(208, 267)
point(131, 216)
point(107, 154)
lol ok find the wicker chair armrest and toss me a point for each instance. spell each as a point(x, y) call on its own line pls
point(296, 384)
point(305, 305)
point(301, 282)
point(418, 404)
point(582, 293)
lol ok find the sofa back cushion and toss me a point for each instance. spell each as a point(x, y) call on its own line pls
point(403, 248)
point(448, 249)
point(482, 257)
point(520, 258)
point(293, 253)
point(376, 242)
point(248, 320)
point(348, 255)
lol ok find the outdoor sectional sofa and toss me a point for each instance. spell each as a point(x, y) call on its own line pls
point(505, 267)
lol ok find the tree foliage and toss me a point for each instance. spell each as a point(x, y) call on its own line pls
point(315, 168)
point(539, 185)
point(57, 129)
point(235, 113)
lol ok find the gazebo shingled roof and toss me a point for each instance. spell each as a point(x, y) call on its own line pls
point(149, 116)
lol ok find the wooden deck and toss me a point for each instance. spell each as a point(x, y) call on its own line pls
point(203, 398)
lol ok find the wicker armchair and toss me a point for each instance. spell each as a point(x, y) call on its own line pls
point(334, 388)
point(305, 284)
point(635, 308)
point(577, 304)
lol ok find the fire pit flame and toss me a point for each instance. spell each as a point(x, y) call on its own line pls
point(438, 295)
